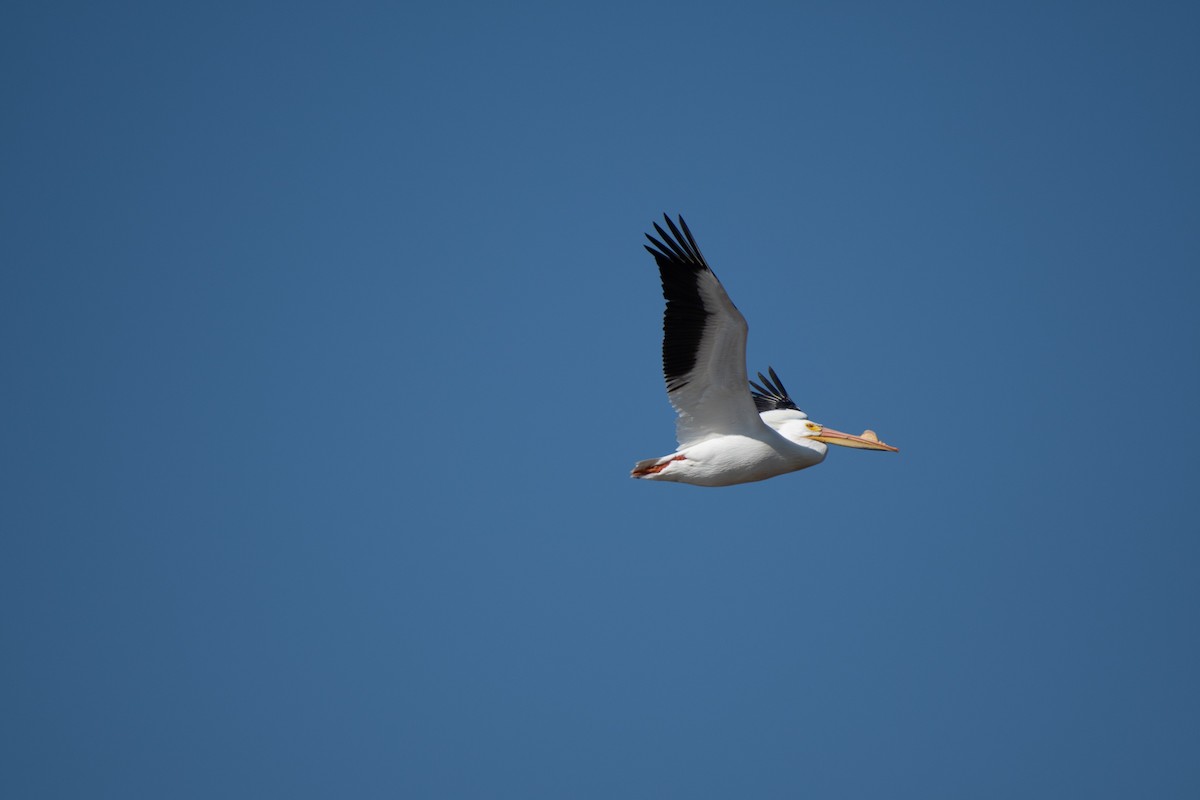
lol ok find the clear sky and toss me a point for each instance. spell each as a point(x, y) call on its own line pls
point(328, 342)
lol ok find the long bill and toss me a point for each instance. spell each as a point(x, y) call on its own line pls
point(868, 440)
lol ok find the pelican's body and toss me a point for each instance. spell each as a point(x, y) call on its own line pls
point(727, 434)
point(729, 458)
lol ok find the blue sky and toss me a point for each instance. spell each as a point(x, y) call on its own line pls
point(329, 341)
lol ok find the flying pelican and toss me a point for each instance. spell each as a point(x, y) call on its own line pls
point(727, 433)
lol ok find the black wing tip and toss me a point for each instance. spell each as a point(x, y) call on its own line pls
point(678, 247)
point(771, 395)
point(667, 219)
point(681, 267)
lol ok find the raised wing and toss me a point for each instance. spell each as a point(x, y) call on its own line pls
point(704, 343)
point(770, 395)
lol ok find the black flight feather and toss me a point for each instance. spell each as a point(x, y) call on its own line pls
point(680, 266)
point(771, 396)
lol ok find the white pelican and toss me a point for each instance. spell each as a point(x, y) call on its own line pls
point(727, 433)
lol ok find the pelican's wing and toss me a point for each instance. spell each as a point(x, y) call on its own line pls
point(704, 343)
point(770, 395)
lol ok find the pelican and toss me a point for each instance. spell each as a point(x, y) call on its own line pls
point(727, 433)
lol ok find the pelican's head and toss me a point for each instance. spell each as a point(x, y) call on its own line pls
point(781, 414)
point(793, 424)
point(867, 441)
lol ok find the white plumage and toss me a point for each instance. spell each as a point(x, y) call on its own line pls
point(727, 434)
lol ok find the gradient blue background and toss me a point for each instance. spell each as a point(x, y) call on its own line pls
point(328, 343)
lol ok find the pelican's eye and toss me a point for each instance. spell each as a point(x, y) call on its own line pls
point(812, 426)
